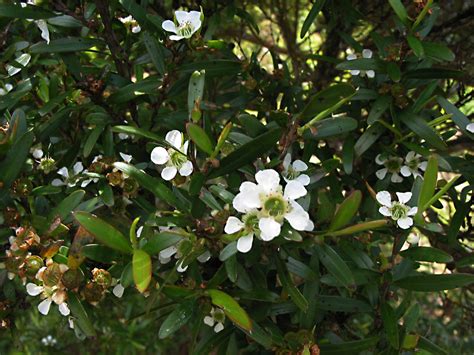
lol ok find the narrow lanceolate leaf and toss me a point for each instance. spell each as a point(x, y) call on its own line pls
point(421, 128)
point(350, 347)
point(458, 117)
point(28, 12)
point(296, 296)
point(62, 45)
point(231, 309)
point(156, 52)
point(103, 232)
point(200, 138)
point(431, 283)
point(430, 178)
point(427, 254)
point(195, 93)
point(335, 265)
point(176, 319)
point(161, 241)
point(141, 264)
point(135, 131)
point(313, 13)
point(390, 325)
point(247, 153)
point(15, 159)
point(400, 10)
point(360, 227)
point(346, 211)
point(81, 318)
point(67, 205)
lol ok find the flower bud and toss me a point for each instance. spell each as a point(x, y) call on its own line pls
point(32, 265)
point(115, 178)
point(130, 186)
point(101, 277)
point(72, 278)
point(93, 292)
point(51, 276)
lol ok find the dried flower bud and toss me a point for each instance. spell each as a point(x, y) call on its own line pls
point(72, 278)
point(115, 178)
point(93, 292)
point(22, 187)
point(12, 216)
point(101, 277)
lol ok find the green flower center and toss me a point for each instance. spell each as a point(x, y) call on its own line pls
point(177, 159)
point(413, 164)
point(250, 222)
point(185, 29)
point(393, 165)
point(292, 174)
point(275, 206)
point(218, 316)
point(399, 211)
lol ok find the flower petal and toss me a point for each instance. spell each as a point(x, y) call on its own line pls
point(470, 127)
point(248, 198)
point(423, 165)
point(396, 178)
point(303, 179)
point(405, 223)
point(180, 268)
point(413, 211)
point(299, 165)
point(379, 160)
point(286, 161)
point(186, 169)
point(168, 252)
point(297, 217)
point(175, 138)
point(33, 289)
point(381, 173)
point(355, 72)
point(367, 53)
point(370, 74)
point(385, 211)
point(233, 225)
point(78, 168)
point(219, 327)
point(176, 38)
point(63, 172)
point(244, 243)
point(44, 306)
point(410, 156)
point(169, 173)
point(294, 190)
point(204, 256)
point(404, 197)
point(181, 16)
point(351, 57)
point(159, 156)
point(126, 157)
point(269, 228)
point(169, 26)
point(64, 309)
point(268, 179)
point(43, 26)
point(118, 290)
point(208, 320)
point(384, 198)
point(405, 171)
point(37, 153)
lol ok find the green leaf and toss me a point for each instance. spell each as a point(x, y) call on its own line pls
point(141, 265)
point(333, 126)
point(67, 205)
point(158, 188)
point(394, 71)
point(246, 153)
point(431, 283)
point(296, 296)
point(161, 241)
point(378, 108)
point(65, 21)
point(81, 319)
point(195, 93)
point(421, 128)
point(140, 132)
point(416, 45)
point(131, 91)
point(360, 227)
point(231, 309)
point(176, 319)
point(349, 348)
point(346, 211)
point(229, 250)
point(390, 325)
point(438, 51)
point(70, 44)
point(12, 165)
point(457, 116)
point(100, 253)
point(430, 179)
point(335, 265)
point(28, 12)
point(103, 232)
point(313, 13)
point(92, 140)
point(342, 304)
point(428, 345)
point(360, 64)
point(217, 67)
point(400, 10)
point(368, 138)
point(200, 137)
point(427, 254)
point(433, 73)
point(156, 52)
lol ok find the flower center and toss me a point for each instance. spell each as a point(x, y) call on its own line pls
point(399, 211)
point(292, 174)
point(413, 164)
point(185, 29)
point(176, 158)
point(275, 206)
point(393, 165)
point(250, 222)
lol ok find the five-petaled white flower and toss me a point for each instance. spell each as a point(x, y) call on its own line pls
point(216, 319)
point(392, 165)
point(72, 179)
point(187, 23)
point(470, 127)
point(129, 20)
point(367, 54)
point(398, 210)
point(266, 206)
point(293, 171)
point(413, 165)
point(54, 293)
point(175, 158)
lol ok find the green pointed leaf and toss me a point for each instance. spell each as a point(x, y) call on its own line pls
point(176, 319)
point(430, 347)
point(438, 51)
point(431, 283)
point(100, 253)
point(200, 137)
point(350, 347)
point(195, 93)
point(313, 13)
point(400, 10)
point(81, 318)
point(458, 117)
point(67, 205)
point(427, 254)
point(335, 265)
point(360, 227)
point(141, 265)
point(161, 241)
point(296, 296)
point(70, 44)
point(231, 309)
point(430, 179)
point(416, 45)
point(103, 232)
point(390, 325)
point(346, 211)
point(421, 128)
point(28, 12)
point(156, 52)
point(12, 165)
point(378, 108)
point(135, 131)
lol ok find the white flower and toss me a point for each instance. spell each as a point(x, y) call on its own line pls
point(72, 179)
point(174, 158)
point(6, 89)
point(118, 290)
point(37, 153)
point(266, 207)
point(130, 20)
point(293, 171)
point(123, 136)
point(392, 165)
point(216, 319)
point(413, 165)
point(187, 24)
point(470, 127)
point(48, 341)
point(398, 210)
point(367, 54)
